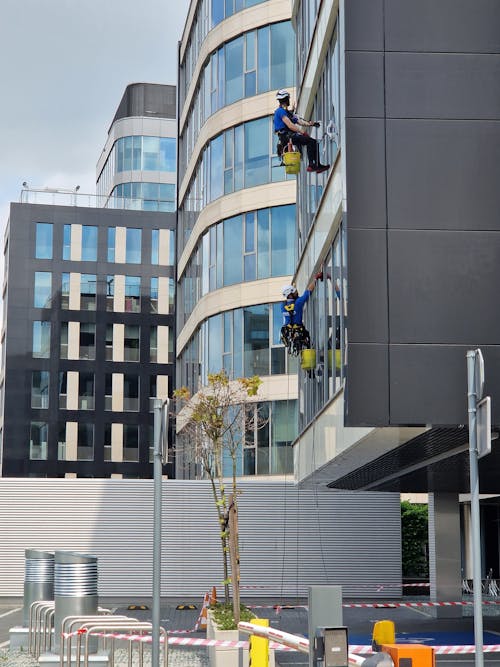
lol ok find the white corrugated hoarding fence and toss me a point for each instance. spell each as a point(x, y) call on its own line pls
point(289, 538)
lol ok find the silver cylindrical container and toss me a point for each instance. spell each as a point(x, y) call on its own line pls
point(38, 579)
point(75, 588)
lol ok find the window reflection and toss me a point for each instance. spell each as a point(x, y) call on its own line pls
point(43, 289)
point(43, 240)
point(252, 246)
point(326, 318)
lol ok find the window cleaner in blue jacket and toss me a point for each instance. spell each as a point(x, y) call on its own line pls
point(288, 127)
point(293, 333)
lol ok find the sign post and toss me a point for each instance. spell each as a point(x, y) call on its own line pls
point(475, 388)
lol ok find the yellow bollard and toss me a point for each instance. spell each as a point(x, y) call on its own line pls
point(384, 632)
point(258, 647)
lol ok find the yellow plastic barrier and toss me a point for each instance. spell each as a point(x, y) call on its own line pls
point(258, 647)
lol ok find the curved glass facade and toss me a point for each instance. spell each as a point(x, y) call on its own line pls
point(137, 153)
point(145, 196)
point(241, 157)
point(251, 246)
point(266, 451)
point(209, 14)
point(255, 62)
point(244, 342)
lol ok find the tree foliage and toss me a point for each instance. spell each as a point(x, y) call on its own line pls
point(414, 539)
point(216, 422)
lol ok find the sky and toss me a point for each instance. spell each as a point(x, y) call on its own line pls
point(64, 65)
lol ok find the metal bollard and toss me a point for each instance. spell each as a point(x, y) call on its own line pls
point(38, 579)
point(75, 588)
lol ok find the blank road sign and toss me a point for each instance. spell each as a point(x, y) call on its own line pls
point(483, 426)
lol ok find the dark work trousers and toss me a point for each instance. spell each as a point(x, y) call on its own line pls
point(311, 145)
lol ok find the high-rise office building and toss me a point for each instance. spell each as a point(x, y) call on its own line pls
point(136, 169)
point(236, 215)
point(88, 328)
point(405, 229)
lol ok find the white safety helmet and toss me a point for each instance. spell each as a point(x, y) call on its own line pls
point(282, 94)
point(287, 290)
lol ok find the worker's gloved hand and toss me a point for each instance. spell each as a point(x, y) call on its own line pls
point(316, 123)
point(319, 276)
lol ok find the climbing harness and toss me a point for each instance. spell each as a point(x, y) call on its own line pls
point(295, 337)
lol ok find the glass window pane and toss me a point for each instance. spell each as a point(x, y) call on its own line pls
point(88, 291)
point(40, 389)
point(217, 11)
point(133, 246)
point(155, 237)
point(111, 244)
point(85, 447)
point(234, 70)
point(263, 269)
point(39, 432)
point(167, 154)
point(41, 340)
point(150, 153)
point(132, 294)
point(67, 242)
point(256, 152)
point(232, 264)
point(89, 243)
point(87, 340)
point(256, 342)
point(263, 60)
point(216, 167)
point(283, 240)
point(131, 393)
point(65, 291)
point(43, 241)
point(282, 55)
point(131, 342)
point(130, 442)
point(43, 289)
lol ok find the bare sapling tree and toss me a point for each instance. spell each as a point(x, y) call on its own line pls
point(216, 423)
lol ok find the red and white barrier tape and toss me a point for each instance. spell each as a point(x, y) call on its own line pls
point(354, 649)
point(438, 650)
point(393, 605)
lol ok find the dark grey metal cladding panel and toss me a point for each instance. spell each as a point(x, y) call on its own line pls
point(364, 25)
point(367, 276)
point(443, 175)
point(428, 383)
point(437, 85)
point(443, 25)
point(443, 287)
point(365, 168)
point(364, 84)
point(367, 388)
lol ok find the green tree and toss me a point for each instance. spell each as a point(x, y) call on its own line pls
point(414, 539)
point(216, 421)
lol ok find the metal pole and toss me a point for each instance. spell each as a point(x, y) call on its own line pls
point(474, 505)
point(157, 469)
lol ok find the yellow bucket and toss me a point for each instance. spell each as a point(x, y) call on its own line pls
point(291, 160)
point(337, 360)
point(308, 360)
